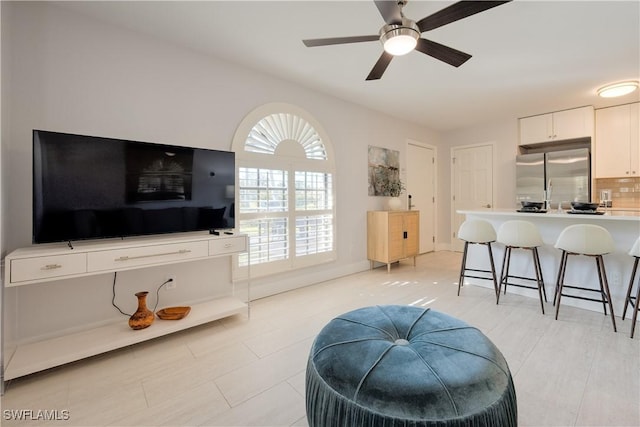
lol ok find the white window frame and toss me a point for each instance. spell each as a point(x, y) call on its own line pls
point(292, 158)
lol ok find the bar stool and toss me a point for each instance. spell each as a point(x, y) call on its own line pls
point(477, 232)
point(588, 240)
point(634, 252)
point(517, 234)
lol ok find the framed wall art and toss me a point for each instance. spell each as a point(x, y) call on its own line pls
point(384, 172)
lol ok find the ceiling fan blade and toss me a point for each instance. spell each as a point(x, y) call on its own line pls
point(444, 53)
point(390, 11)
point(380, 67)
point(339, 40)
point(455, 12)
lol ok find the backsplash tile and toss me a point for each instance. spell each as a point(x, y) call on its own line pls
point(625, 192)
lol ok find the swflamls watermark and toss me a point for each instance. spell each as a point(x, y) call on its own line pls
point(36, 414)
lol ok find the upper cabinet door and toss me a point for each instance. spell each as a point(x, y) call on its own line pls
point(617, 141)
point(536, 129)
point(570, 124)
point(635, 139)
point(557, 126)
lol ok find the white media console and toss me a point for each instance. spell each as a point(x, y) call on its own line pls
point(42, 263)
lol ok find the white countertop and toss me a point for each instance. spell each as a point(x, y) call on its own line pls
point(608, 216)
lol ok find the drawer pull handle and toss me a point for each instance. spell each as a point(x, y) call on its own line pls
point(228, 245)
point(129, 258)
point(51, 267)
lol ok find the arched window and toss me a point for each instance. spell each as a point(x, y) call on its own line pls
point(285, 190)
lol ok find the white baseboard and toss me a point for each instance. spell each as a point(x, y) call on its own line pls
point(272, 285)
point(443, 247)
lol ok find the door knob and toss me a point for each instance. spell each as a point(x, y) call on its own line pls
point(488, 205)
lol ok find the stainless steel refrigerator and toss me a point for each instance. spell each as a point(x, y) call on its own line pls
point(565, 174)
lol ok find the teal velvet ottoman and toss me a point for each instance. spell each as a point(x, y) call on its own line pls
point(399, 365)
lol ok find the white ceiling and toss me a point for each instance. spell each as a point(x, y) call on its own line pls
point(529, 57)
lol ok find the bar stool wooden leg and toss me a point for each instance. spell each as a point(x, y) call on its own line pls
point(628, 299)
point(560, 279)
point(635, 307)
point(560, 284)
point(604, 281)
point(463, 266)
point(634, 318)
point(493, 269)
point(603, 295)
point(539, 279)
point(537, 261)
point(504, 273)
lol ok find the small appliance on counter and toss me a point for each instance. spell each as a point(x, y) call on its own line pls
point(605, 199)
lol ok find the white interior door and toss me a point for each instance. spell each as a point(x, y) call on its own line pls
point(472, 184)
point(421, 187)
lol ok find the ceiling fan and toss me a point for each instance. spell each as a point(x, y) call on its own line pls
point(401, 35)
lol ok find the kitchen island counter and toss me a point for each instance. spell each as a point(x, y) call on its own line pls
point(612, 215)
point(624, 227)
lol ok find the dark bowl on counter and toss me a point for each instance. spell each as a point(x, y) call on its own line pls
point(584, 206)
point(532, 205)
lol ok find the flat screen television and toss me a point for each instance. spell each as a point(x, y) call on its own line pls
point(87, 187)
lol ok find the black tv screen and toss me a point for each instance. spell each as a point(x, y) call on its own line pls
point(87, 187)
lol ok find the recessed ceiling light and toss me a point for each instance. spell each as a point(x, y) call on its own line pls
point(617, 89)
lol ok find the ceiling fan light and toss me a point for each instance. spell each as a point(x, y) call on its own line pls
point(400, 39)
point(617, 89)
point(400, 45)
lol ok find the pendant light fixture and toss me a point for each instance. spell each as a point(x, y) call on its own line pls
point(617, 89)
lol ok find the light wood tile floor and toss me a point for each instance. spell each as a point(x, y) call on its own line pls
point(239, 372)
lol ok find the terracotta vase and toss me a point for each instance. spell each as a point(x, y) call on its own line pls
point(143, 317)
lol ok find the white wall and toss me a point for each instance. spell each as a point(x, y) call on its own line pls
point(71, 74)
point(504, 135)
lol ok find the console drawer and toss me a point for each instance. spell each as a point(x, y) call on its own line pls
point(227, 245)
point(120, 259)
point(47, 267)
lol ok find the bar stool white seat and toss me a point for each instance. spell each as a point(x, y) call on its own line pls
point(517, 234)
point(477, 232)
point(588, 240)
point(633, 300)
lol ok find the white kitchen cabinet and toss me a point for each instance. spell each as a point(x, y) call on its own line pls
point(557, 126)
point(48, 263)
point(618, 141)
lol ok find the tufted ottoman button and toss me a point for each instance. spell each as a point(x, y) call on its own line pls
point(401, 365)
